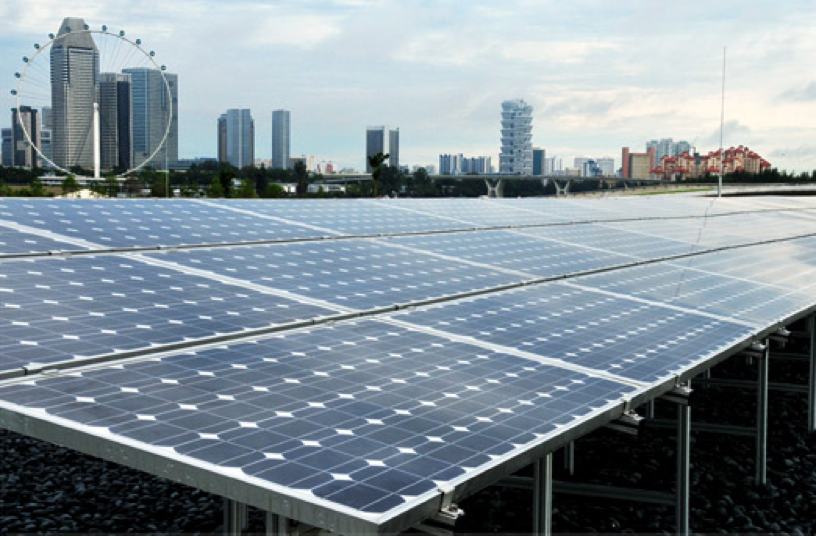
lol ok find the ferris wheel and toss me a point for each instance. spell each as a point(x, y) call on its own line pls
point(95, 99)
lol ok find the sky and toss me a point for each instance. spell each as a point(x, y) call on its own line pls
point(600, 74)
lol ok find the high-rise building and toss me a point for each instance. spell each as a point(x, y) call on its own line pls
point(74, 72)
point(46, 136)
point(579, 162)
point(667, 147)
point(539, 157)
point(553, 166)
point(236, 138)
point(151, 109)
point(382, 139)
point(607, 166)
point(637, 165)
point(115, 110)
point(308, 160)
point(590, 168)
point(280, 139)
point(516, 138)
point(8, 152)
point(23, 152)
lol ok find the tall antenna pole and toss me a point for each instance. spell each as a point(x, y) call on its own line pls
point(96, 141)
point(722, 123)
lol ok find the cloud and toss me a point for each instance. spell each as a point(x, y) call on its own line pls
point(734, 133)
point(800, 94)
point(796, 153)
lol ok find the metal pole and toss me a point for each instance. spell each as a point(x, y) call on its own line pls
point(812, 380)
point(761, 477)
point(236, 516)
point(722, 122)
point(96, 142)
point(650, 409)
point(681, 512)
point(542, 496)
point(569, 457)
point(276, 525)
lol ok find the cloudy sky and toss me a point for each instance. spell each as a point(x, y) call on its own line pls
point(600, 74)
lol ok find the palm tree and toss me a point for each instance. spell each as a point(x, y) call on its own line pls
point(377, 163)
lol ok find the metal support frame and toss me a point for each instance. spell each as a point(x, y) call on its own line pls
point(236, 517)
point(681, 512)
point(727, 429)
point(812, 377)
point(276, 525)
point(542, 496)
point(569, 457)
point(495, 187)
point(751, 384)
point(561, 191)
point(628, 423)
point(761, 474)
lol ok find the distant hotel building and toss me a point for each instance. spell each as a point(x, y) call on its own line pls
point(74, 72)
point(516, 156)
point(384, 140)
point(23, 153)
point(150, 116)
point(236, 138)
point(115, 112)
point(280, 139)
point(692, 166)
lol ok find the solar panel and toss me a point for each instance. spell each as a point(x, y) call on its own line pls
point(356, 274)
point(514, 251)
point(361, 418)
point(132, 223)
point(56, 309)
point(15, 242)
point(634, 339)
point(673, 283)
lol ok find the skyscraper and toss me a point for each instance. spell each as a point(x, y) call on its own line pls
point(46, 136)
point(516, 138)
point(607, 166)
point(539, 157)
point(151, 107)
point(280, 139)
point(382, 139)
point(74, 71)
point(236, 133)
point(23, 152)
point(115, 110)
point(8, 156)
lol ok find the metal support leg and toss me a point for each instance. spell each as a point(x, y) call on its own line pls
point(683, 474)
point(650, 409)
point(276, 525)
point(542, 496)
point(495, 189)
point(569, 457)
point(562, 190)
point(761, 476)
point(236, 517)
point(812, 379)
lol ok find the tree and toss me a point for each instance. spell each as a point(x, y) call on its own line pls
point(36, 189)
point(247, 190)
point(274, 191)
point(132, 186)
point(158, 186)
point(70, 184)
point(226, 173)
point(4, 189)
point(377, 163)
point(111, 185)
point(215, 189)
point(301, 177)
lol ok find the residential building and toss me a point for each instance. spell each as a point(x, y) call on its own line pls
point(539, 158)
point(23, 152)
point(430, 169)
point(151, 107)
point(579, 162)
point(516, 155)
point(553, 166)
point(667, 147)
point(450, 164)
point(637, 165)
point(308, 160)
point(7, 151)
point(115, 110)
point(382, 139)
point(280, 139)
point(590, 168)
point(692, 166)
point(236, 138)
point(74, 72)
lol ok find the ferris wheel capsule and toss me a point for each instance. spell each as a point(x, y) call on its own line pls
point(152, 53)
point(121, 33)
point(104, 28)
point(51, 36)
point(138, 41)
point(37, 46)
point(25, 59)
point(164, 67)
point(87, 27)
point(17, 75)
point(13, 91)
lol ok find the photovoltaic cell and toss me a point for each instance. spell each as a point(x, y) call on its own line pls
point(56, 309)
point(14, 242)
point(365, 415)
point(356, 274)
point(629, 338)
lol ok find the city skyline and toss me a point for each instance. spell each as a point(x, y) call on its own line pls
point(591, 95)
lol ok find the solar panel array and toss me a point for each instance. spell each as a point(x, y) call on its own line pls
point(344, 362)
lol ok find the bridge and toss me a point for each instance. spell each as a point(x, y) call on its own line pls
point(495, 182)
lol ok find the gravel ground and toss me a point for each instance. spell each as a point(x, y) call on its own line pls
point(47, 489)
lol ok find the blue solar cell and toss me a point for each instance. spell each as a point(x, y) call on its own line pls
point(410, 410)
point(357, 274)
point(15, 242)
point(57, 309)
point(629, 338)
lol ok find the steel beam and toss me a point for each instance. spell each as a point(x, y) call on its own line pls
point(761, 474)
point(706, 427)
point(276, 525)
point(812, 377)
point(542, 496)
point(569, 457)
point(562, 190)
point(683, 484)
point(236, 517)
point(750, 384)
point(594, 490)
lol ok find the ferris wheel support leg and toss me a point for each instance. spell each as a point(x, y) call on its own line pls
point(96, 142)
